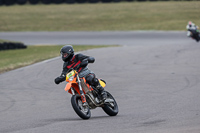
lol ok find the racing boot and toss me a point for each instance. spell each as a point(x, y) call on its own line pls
point(102, 93)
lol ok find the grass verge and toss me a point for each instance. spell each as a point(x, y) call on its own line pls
point(1, 41)
point(159, 15)
point(12, 59)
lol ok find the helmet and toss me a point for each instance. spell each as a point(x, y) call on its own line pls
point(190, 23)
point(67, 52)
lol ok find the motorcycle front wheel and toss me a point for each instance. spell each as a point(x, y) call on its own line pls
point(110, 108)
point(81, 111)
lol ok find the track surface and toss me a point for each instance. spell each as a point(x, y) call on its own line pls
point(155, 80)
point(104, 37)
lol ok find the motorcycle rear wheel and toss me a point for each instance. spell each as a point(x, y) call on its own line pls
point(83, 112)
point(111, 110)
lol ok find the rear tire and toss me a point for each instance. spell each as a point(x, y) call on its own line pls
point(111, 110)
point(83, 112)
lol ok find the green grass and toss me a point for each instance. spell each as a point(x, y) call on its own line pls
point(12, 59)
point(161, 15)
point(1, 41)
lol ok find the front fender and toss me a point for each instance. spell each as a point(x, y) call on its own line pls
point(74, 85)
point(68, 86)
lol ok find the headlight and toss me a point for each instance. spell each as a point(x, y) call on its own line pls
point(71, 78)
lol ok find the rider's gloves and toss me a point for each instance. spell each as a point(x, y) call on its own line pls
point(59, 79)
point(91, 60)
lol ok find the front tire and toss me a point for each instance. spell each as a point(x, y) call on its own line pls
point(110, 108)
point(83, 112)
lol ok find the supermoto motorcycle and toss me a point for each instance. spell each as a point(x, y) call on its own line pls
point(86, 97)
point(194, 34)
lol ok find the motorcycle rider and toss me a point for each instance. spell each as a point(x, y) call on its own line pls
point(74, 61)
point(191, 27)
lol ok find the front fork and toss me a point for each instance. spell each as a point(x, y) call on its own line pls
point(81, 90)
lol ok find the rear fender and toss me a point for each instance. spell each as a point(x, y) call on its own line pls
point(102, 83)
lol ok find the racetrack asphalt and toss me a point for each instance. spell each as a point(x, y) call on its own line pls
point(154, 77)
point(97, 38)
